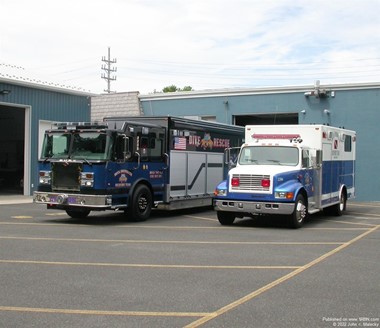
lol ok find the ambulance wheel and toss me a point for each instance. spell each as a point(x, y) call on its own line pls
point(338, 209)
point(225, 218)
point(297, 218)
point(78, 213)
point(141, 206)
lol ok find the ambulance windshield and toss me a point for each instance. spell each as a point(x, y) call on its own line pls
point(269, 155)
point(77, 145)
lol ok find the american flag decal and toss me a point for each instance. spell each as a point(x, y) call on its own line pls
point(180, 143)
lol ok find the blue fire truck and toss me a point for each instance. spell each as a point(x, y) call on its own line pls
point(133, 164)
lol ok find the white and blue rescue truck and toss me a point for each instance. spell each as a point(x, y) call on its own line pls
point(133, 164)
point(291, 170)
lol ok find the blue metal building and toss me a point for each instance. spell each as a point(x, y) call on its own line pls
point(26, 110)
point(353, 106)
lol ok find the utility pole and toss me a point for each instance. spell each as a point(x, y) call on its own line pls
point(108, 70)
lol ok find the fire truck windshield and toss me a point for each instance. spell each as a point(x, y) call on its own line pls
point(269, 155)
point(77, 145)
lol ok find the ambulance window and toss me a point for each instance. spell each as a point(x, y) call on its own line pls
point(347, 143)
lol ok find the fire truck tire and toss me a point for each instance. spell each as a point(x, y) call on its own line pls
point(141, 206)
point(297, 218)
point(225, 218)
point(78, 213)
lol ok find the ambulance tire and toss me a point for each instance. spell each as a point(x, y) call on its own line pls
point(297, 218)
point(338, 209)
point(141, 206)
point(225, 218)
point(78, 213)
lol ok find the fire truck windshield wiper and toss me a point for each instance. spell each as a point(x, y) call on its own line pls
point(84, 160)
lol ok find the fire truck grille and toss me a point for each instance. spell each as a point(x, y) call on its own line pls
point(250, 182)
point(66, 176)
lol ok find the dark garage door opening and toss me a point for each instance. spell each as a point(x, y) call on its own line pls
point(12, 139)
point(268, 119)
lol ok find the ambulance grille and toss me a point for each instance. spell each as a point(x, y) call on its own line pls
point(250, 182)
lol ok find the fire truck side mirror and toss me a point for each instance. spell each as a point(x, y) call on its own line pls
point(122, 148)
point(126, 151)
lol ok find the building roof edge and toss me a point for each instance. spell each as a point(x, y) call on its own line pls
point(253, 91)
point(46, 87)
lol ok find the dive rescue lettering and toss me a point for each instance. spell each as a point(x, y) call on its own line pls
point(215, 142)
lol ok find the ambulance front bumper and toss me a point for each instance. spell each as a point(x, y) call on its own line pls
point(67, 200)
point(253, 207)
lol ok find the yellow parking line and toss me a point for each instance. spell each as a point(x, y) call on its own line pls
point(277, 282)
point(126, 225)
point(22, 217)
point(366, 214)
point(339, 229)
point(194, 242)
point(353, 223)
point(165, 266)
point(104, 313)
point(200, 218)
point(365, 204)
point(41, 224)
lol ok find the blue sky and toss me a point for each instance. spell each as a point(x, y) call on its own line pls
point(207, 44)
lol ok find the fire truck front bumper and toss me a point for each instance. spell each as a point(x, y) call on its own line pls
point(253, 207)
point(63, 200)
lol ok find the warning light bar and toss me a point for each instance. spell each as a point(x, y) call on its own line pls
point(79, 125)
point(275, 136)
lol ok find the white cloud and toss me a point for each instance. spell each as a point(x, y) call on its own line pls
point(202, 43)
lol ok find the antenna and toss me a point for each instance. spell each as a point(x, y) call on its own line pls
point(108, 70)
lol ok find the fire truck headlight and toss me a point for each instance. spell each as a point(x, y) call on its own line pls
point(45, 177)
point(284, 195)
point(87, 179)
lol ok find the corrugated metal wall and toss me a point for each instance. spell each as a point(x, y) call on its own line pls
point(43, 103)
point(355, 107)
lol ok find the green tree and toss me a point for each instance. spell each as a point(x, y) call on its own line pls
point(174, 88)
point(170, 88)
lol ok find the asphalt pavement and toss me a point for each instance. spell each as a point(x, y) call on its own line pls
point(183, 269)
point(15, 199)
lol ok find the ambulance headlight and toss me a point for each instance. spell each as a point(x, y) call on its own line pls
point(220, 192)
point(284, 195)
point(45, 177)
point(87, 179)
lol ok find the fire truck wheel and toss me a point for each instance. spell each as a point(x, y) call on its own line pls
point(78, 214)
point(297, 218)
point(141, 203)
point(225, 218)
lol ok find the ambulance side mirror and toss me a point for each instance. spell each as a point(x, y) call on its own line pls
point(231, 156)
point(319, 158)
